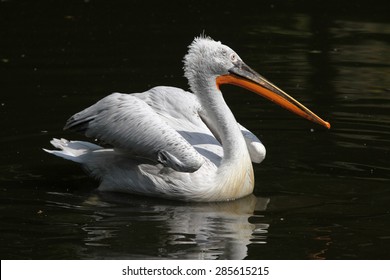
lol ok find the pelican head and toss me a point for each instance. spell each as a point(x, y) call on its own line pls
point(209, 62)
point(208, 58)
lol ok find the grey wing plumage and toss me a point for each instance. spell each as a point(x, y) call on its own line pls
point(131, 125)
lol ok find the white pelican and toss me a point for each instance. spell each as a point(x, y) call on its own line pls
point(175, 144)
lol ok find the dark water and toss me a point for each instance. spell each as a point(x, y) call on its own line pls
point(320, 194)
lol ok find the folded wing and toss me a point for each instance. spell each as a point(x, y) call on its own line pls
point(131, 126)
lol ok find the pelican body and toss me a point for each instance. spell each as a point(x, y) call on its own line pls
point(176, 144)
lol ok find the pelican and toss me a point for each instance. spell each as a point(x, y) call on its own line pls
point(175, 144)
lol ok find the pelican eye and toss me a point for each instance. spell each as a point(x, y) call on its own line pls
point(233, 57)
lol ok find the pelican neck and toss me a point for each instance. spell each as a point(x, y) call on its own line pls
point(222, 120)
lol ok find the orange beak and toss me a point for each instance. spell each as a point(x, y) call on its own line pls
point(243, 76)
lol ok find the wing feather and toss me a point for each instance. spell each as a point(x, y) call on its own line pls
point(130, 124)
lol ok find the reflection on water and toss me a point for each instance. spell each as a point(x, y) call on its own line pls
point(319, 194)
point(183, 230)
